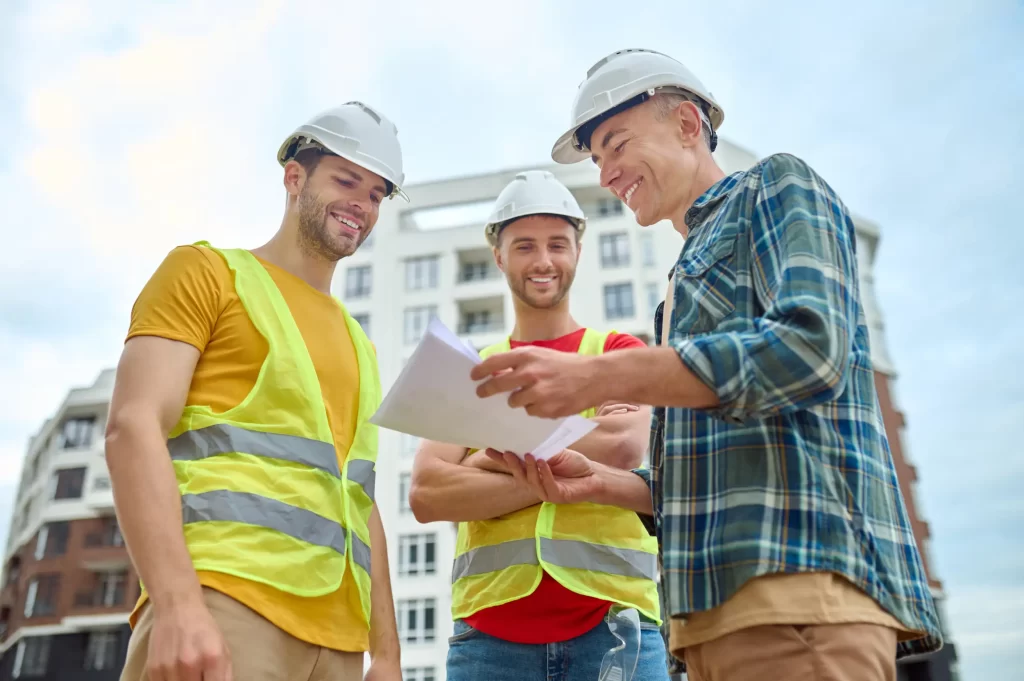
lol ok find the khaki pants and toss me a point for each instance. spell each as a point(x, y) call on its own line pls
point(259, 650)
point(828, 652)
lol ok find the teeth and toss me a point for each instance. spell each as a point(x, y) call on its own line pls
point(629, 192)
point(540, 280)
point(345, 221)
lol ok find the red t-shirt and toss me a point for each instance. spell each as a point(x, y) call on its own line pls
point(552, 613)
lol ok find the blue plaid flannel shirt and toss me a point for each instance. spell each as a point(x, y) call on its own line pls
point(792, 471)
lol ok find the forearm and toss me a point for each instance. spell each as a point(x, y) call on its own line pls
point(616, 442)
point(460, 493)
point(654, 376)
point(383, 626)
point(148, 507)
point(623, 489)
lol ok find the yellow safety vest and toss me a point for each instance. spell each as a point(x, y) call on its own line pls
point(599, 551)
point(262, 493)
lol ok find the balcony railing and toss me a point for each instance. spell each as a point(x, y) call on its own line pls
point(105, 539)
point(98, 598)
point(480, 327)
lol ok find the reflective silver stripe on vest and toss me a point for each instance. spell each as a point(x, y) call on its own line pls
point(486, 559)
point(252, 509)
point(569, 553)
point(360, 553)
point(224, 439)
point(561, 552)
point(362, 472)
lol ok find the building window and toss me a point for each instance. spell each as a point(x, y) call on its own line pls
point(416, 320)
point(52, 540)
point(67, 483)
point(101, 650)
point(410, 443)
point(31, 657)
point(654, 293)
point(647, 249)
point(404, 480)
point(416, 620)
point(359, 282)
point(417, 554)
point(109, 536)
point(477, 271)
point(77, 432)
point(609, 207)
point(477, 321)
point(364, 321)
point(421, 273)
point(112, 588)
point(618, 301)
point(419, 674)
point(41, 596)
point(615, 249)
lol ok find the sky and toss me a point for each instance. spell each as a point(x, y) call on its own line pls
point(130, 128)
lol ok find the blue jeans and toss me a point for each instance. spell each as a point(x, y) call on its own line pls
point(476, 656)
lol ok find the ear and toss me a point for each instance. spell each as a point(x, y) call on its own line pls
point(497, 258)
point(579, 249)
point(689, 125)
point(294, 177)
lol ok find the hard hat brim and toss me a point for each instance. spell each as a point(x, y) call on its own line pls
point(564, 149)
point(283, 158)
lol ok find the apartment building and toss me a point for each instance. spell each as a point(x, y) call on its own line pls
point(68, 584)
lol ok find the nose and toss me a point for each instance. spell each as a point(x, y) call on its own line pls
point(609, 173)
point(363, 204)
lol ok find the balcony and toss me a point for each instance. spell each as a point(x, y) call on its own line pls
point(110, 594)
point(477, 275)
point(481, 320)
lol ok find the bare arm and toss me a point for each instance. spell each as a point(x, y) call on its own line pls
point(153, 377)
point(443, 489)
point(384, 646)
point(621, 437)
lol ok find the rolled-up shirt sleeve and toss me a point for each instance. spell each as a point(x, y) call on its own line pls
point(803, 270)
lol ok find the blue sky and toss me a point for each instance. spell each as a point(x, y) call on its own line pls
point(126, 136)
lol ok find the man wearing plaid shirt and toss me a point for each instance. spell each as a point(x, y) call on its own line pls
point(787, 552)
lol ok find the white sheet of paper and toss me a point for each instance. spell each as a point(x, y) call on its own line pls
point(434, 398)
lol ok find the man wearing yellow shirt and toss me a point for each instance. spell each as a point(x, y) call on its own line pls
point(239, 445)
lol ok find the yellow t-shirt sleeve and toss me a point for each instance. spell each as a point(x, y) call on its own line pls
point(182, 299)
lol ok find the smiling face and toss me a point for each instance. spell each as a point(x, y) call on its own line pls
point(337, 206)
point(538, 255)
point(648, 157)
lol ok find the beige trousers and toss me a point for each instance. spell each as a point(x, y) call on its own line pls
point(828, 652)
point(259, 650)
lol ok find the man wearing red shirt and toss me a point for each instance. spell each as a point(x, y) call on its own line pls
point(525, 606)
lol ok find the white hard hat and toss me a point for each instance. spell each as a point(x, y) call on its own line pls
point(533, 192)
point(621, 80)
point(355, 132)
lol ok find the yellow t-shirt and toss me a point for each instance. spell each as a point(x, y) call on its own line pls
point(191, 298)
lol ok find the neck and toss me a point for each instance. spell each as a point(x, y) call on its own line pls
point(705, 174)
point(284, 251)
point(534, 324)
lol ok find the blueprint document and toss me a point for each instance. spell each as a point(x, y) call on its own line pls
point(434, 398)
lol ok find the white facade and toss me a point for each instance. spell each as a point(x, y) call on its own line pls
point(430, 257)
point(72, 439)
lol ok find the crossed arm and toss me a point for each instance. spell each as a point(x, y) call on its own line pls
point(448, 485)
